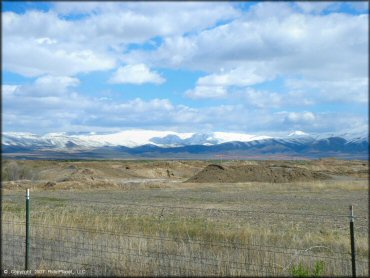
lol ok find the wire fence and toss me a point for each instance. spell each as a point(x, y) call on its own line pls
point(98, 238)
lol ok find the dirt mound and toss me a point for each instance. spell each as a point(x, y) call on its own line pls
point(215, 166)
point(87, 171)
point(255, 173)
point(50, 184)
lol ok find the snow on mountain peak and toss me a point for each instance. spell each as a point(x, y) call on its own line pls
point(298, 133)
point(138, 137)
point(129, 138)
point(223, 137)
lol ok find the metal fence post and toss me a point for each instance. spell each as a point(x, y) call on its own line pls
point(27, 228)
point(353, 251)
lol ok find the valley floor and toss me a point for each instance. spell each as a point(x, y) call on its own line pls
point(134, 218)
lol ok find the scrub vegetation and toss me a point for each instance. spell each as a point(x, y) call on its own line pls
point(139, 218)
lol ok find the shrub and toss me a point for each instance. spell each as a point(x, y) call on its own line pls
point(304, 271)
point(12, 171)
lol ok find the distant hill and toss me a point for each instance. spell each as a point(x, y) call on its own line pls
point(158, 144)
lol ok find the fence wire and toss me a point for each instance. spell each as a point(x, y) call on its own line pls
point(157, 252)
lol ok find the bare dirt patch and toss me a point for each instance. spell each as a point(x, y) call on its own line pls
point(255, 173)
point(50, 184)
point(91, 174)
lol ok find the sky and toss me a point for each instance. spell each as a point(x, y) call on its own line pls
point(250, 67)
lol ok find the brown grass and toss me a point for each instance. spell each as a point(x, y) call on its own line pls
point(225, 229)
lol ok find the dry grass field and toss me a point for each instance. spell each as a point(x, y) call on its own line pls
point(152, 218)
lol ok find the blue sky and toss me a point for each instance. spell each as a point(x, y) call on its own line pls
point(259, 68)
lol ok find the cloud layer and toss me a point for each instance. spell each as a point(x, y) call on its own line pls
point(269, 67)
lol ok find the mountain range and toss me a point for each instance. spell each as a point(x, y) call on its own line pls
point(139, 144)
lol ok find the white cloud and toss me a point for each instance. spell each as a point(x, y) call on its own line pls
point(263, 99)
point(76, 7)
point(206, 92)
point(270, 99)
point(137, 22)
point(140, 105)
point(269, 9)
point(241, 76)
point(45, 86)
point(45, 41)
point(8, 89)
point(295, 117)
point(216, 85)
point(319, 58)
point(59, 83)
point(62, 46)
point(136, 74)
point(38, 107)
point(346, 90)
point(263, 44)
point(46, 104)
point(53, 59)
point(253, 47)
point(317, 7)
point(24, 110)
point(294, 44)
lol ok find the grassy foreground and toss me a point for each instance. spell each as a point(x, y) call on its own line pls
point(188, 229)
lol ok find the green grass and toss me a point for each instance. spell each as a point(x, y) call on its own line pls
point(305, 271)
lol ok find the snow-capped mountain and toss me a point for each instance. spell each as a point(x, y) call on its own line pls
point(151, 143)
point(129, 138)
point(207, 139)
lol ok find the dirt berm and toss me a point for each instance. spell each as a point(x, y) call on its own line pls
point(255, 173)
